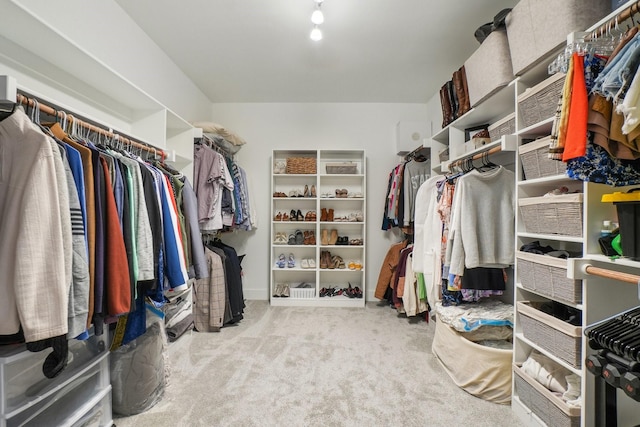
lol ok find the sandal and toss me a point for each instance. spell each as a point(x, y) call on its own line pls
point(281, 261)
point(292, 239)
point(285, 216)
point(299, 216)
point(292, 215)
point(278, 217)
point(299, 237)
point(291, 263)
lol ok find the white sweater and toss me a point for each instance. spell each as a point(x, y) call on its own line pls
point(482, 228)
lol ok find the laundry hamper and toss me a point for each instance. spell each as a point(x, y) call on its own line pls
point(535, 160)
point(554, 335)
point(561, 215)
point(547, 276)
point(548, 407)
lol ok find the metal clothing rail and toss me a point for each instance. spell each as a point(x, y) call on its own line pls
point(476, 156)
point(30, 102)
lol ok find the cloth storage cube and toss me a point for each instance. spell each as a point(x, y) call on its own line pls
point(504, 126)
point(488, 69)
point(537, 28)
point(535, 160)
point(540, 102)
point(560, 215)
point(560, 338)
point(547, 276)
point(547, 406)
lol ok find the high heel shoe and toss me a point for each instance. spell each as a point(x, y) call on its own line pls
point(313, 191)
point(306, 191)
point(299, 216)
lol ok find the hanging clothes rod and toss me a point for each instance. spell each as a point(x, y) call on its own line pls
point(625, 14)
point(417, 150)
point(22, 99)
point(610, 274)
point(477, 156)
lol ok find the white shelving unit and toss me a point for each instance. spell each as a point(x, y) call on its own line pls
point(352, 209)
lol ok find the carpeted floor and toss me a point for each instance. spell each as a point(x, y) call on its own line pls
point(303, 366)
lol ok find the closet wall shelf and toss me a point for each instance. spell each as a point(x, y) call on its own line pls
point(538, 129)
point(555, 237)
point(556, 359)
point(544, 180)
point(501, 151)
point(568, 303)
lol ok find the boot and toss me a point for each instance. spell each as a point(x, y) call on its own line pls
point(324, 238)
point(460, 93)
point(446, 106)
point(453, 99)
point(323, 214)
point(463, 77)
point(330, 215)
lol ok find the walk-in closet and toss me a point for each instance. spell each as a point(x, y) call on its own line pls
point(319, 213)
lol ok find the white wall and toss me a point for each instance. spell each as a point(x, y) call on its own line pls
point(313, 126)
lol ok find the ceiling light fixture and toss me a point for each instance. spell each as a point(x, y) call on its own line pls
point(317, 18)
point(316, 34)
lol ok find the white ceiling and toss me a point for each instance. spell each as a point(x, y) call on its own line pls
point(260, 51)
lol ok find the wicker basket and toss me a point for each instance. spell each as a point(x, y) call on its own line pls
point(547, 276)
point(541, 101)
point(504, 126)
point(302, 293)
point(557, 337)
point(301, 165)
point(547, 406)
point(536, 162)
point(560, 215)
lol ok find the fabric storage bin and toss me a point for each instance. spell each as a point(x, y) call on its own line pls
point(504, 126)
point(537, 28)
point(547, 276)
point(560, 338)
point(560, 215)
point(547, 406)
point(488, 69)
point(301, 165)
point(342, 168)
point(535, 160)
point(541, 101)
point(302, 293)
point(628, 208)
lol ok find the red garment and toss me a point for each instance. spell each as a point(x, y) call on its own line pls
point(116, 266)
point(576, 140)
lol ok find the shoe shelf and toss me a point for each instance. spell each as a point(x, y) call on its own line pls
point(329, 210)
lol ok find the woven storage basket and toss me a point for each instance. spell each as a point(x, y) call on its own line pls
point(302, 293)
point(560, 215)
point(548, 407)
point(504, 126)
point(547, 276)
point(301, 165)
point(536, 162)
point(554, 335)
point(541, 101)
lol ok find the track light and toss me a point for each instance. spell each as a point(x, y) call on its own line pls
point(316, 34)
point(317, 17)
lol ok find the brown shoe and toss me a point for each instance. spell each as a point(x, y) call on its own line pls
point(330, 215)
point(334, 237)
point(324, 238)
point(323, 214)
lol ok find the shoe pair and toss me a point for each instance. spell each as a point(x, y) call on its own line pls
point(282, 217)
point(329, 237)
point(310, 216)
point(355, 265)
point(342, 241)
point(296, 238)
point(355, 242)
point(308, 263)
point(281, 290)
point(279, 194)
point(296, 215)
point(280, 239)
point(309, 237)
point(310, 192)
point(282, 261)
point(326, 215)
point(341, 193)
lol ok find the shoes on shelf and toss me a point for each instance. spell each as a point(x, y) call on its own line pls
point(323, 214)
point(293, 216)
point(359, 216)
point(338, 262)
point(312, 237)
point(341, 193)
point(291, 262)
point(299, 237)
point(355, 242)
point(281, 261)
point(299, 216)
point(312, 264)
point(306, 191)
point(278, 290)
point(285, 216)
point(325, 259)
point(292, 239)
point(311, 216)
point(313, 191)
point(342, 241)
point(324, 237)
point(279, 194)
point(304, 263)
point(330, 213)
point(280, 238)
point(333, 237)
point(278, 217)
point(284, 293)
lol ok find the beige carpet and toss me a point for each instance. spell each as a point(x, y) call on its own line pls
point(286, 366)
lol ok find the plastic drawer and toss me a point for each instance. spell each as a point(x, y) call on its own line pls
point(22, 381)
point(69, 402)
